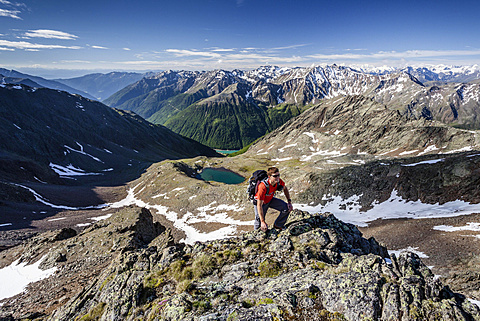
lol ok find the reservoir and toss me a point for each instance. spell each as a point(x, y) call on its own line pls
point(221, 175)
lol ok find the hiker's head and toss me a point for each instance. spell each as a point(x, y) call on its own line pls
point(273, 174)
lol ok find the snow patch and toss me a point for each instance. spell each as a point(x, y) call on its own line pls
point(312, 136)
point(306, 158)
point(81, 151)
point(448, 228)
point(348, 210)
point(16, 277)
point(43, 200)
point(408, 152)
point(69, 170)
point(281, 159)
point(409, 249)
point(476, 302)
point(281, 150)
point(57, 219)
point(183, 223)
point(432, 161)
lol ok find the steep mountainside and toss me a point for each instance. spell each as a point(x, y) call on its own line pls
point(52, 84)
point(360, 125)
point(167, 98)
point(74, 136)
point(102, 86)
point(228, 120)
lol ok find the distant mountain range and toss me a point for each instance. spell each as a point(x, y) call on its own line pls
point(49, 134)
point(34, 81)
point(102, 86)
point(230, 109)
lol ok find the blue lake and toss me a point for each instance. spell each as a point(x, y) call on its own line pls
point(226, 152)
point(221, 175)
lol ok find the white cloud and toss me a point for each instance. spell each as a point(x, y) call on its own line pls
point(75, 61)
point(226, 56)
point(290, 47)
point(99, 47)
point(10, 13)
point(184, 53)
point(10, 9)
point(127, 49)
point(50, 34)
point(6, 49)
point(29, 45)
point(222, 50)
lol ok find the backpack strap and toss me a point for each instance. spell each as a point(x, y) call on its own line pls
point(265, 181)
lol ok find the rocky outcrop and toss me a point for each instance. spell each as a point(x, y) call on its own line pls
point(430, 179)
point(318, 268)
point(79, 258)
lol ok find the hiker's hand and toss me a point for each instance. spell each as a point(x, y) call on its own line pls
point(264, 226)
point(290, 206)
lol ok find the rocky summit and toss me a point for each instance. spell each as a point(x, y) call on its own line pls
point(318, 268)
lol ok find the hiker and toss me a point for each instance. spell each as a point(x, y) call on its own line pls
point(265, 199)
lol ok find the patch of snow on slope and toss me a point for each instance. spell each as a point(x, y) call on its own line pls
point(312, 136)
point(69, 170)
point(306, 158)
point(464, 149)
point(16, 277)
point(281, 150)
point(82, 152)
point(432, 161)
point(430, 148)
point(348, 210)
point(183, 223)
point(476, 302)
point(409, 249)
point(43, 200)
point(281, 159)
point(469, 227)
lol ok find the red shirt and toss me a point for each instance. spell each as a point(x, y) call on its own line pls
point(262, 191)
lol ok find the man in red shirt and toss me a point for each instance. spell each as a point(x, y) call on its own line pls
point(265, 199)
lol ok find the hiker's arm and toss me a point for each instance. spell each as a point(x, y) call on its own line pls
point(287, 195)
point(263, 224)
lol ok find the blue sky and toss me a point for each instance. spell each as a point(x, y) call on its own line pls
point(69, 38)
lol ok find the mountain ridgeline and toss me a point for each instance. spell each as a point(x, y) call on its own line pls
point(37, 82)
point(230, 109)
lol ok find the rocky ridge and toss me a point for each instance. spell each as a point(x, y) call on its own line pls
point(318, 268)
point(42, 82)
point(360, 125)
